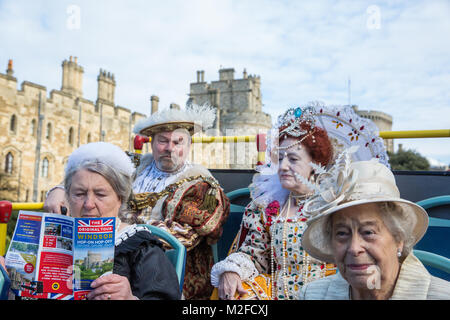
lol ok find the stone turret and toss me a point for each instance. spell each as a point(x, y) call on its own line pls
point(226, 74)
point(154, 100)
point(72, 77)
point(238, 104)
point(200, 76)
point(10, 70)
point(238, 101)
point(106, 87)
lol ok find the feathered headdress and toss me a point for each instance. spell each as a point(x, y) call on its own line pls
point(345, 129)
point(193, 118)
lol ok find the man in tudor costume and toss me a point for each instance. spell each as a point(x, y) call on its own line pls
point(180, 197)
point(174, 194)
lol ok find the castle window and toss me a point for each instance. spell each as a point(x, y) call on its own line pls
point(71, 136)
point(33, 128)
point(48, 134)
point(13, 123)
point(88, 138)
point(44, 172)
point(9, 160)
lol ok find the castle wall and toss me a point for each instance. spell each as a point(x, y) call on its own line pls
point(239, 106)
point(66, 122)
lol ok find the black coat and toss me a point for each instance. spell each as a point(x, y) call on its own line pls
point(142, 260)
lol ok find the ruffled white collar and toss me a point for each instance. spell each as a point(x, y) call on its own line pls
point(265, 189)
point(151, 179)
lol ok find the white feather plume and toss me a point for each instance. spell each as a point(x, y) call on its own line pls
point(203, 115)
point(318, 168)
point(306, 182)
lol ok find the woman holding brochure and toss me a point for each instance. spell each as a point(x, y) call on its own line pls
point(98, 180)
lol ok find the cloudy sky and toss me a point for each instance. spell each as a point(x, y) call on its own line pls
point(396, 53)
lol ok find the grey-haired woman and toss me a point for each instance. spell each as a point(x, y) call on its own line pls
point(98, 182)
point(359, 221)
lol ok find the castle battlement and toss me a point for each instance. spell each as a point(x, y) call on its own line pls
point(238, 100)
point(381, 119)
point(107, 76)
point(375, 115)
point(62, 97)
point(39, 129)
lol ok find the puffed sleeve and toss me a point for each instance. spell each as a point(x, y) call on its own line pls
point(195, 210)
point(256, 243)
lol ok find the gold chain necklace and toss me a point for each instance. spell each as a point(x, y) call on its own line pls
point(149, 199)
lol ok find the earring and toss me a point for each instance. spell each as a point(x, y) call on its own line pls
point(399, 252)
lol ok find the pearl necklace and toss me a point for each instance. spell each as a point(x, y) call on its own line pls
point(272, 264)
point(298, 141)
point(283, 249)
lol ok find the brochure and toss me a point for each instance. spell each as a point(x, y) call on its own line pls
point(52, 256)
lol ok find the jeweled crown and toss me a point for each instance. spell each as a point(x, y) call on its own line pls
point(291, 121)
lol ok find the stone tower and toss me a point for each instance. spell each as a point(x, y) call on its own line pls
point(72, 78)
point(154, 100)
point(106, 87)
point(239, 113)
point(238, 101)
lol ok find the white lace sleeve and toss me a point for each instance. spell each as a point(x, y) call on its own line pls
point(236, 262)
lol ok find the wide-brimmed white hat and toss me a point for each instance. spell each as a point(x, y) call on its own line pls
point(193, 118)
point(349, 184)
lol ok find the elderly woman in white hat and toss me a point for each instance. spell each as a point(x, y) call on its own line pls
point(359, 221)
point(97, 182)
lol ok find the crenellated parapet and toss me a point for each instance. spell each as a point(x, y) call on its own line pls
point(37, 125)
point(238, 100)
